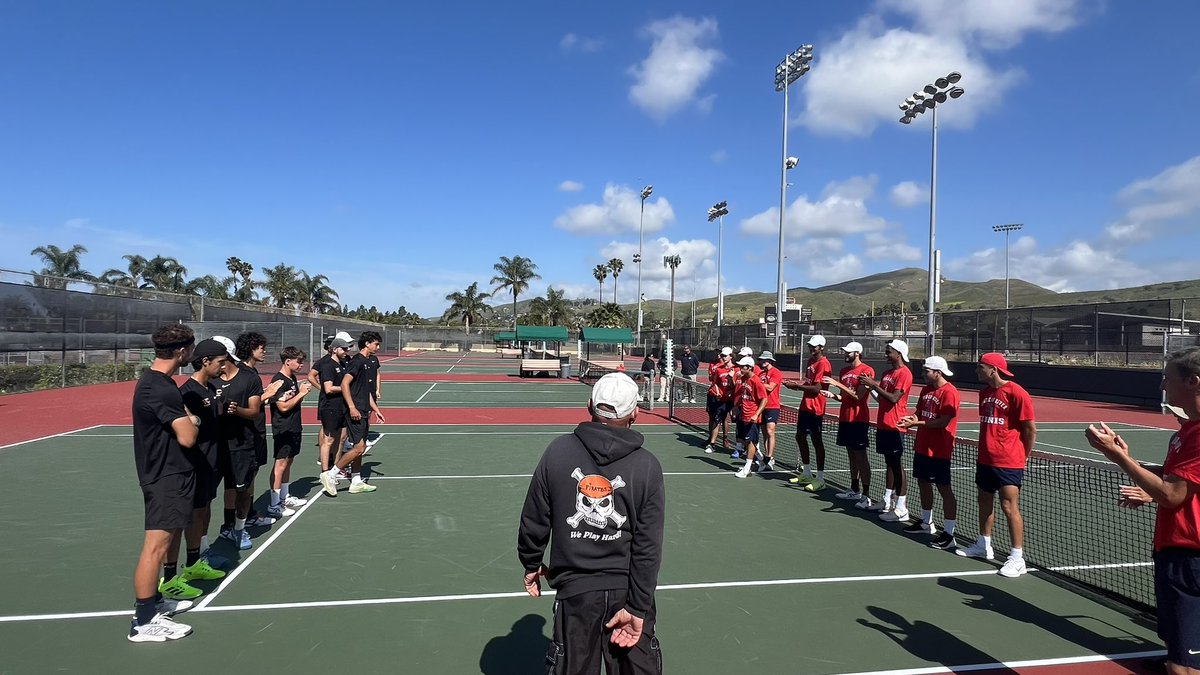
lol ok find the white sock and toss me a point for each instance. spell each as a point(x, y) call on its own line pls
point(927, 517)
point(334, 472)
point(1016, 553)
point(987, 541)
point(900, 503)
point(948, 525)
point(239, 524)
point(283, 492)
point(749, 463)
point(275, 498)
point(887, 496)
point(356, 479)
point(808, 470)
point(203, 543)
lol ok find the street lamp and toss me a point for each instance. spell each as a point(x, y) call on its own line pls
point(718, 213)
point(788, 71)
point(646, 192)
point(928, 98)
point(1006, 229)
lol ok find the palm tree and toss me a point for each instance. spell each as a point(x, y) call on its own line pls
point(514, 275)
point(164, 274)
point(467, 306)
point(601, 273)
point(241, 270)
point(314, 294)
point(607, 316)
point(673, 262)
point(61, 264)
point(551, 310)
point(210, 287)
point(616, 265)
point(281, 286)
point(133, 278)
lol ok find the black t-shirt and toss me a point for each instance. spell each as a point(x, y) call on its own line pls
point(285, 422)
point(332, 371)
point(200, 401)
point(316, 367)
point(374, 374)
point(260, 422)
point(239, 433)
point(362, 387)
point(156, 404)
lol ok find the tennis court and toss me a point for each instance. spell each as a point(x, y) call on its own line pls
point(422, 576)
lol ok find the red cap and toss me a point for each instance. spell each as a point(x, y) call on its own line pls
point(996, 360)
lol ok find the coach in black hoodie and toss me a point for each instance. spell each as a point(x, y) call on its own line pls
point(597, 496)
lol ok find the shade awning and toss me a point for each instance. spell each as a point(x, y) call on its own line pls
point(504, 337)
point(547, 333)
point(612, 336)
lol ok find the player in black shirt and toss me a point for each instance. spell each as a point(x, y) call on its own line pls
point(162, 431)
point(358, 392)
point(314, 379)
point(286, 430)
point(333, 414)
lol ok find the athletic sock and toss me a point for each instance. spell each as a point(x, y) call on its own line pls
point(949, 526)
point(821, 475)
point(901, 504)
point(144, 610)
point(193, 557)
point(239, 524)
point(355, 479)
point(170, 570)
point(987, 541)
point(275, 498)
point(808, 470)
point(283, 492)
point(927, 517)
point(887, 496)
point(1016, 553)
point(230, 514)
point(204, 543)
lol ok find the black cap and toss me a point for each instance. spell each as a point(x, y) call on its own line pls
point(209, 349)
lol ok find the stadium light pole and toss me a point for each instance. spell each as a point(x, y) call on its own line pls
point(646, 192)
point(792, 68)
point(930, 96)
point(1006, 229)
point(718, 212)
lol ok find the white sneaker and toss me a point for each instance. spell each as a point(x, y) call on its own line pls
point(894, 516)
point(168, 607)
point(708, 449)
point(849, 495)
point(880, 507)
point(743, 472)
point(280, 511)
point(294, 502)
point(864, 504)
point(1013, 567)
point(978, 550)
point(329, 483)
point(159, 629)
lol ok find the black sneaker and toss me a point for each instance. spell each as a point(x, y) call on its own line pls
point(916, 527)
point(943, 541)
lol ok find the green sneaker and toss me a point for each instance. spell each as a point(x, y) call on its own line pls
point(358, 488)
point(801, 480)
point(201, 571)
point(178, 589)
point(815, 485)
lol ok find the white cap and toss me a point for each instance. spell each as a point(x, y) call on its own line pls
point(745, 351)
point(937, 363)
point(816, 341)
point(766, 356)
point(853, 347)
point(228, 346)
point(726, 351)
point(746, 361)
point(617, 390)
point(900, 346)
point(343, 335)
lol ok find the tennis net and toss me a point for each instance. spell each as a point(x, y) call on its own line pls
point(591, 371)
point(1074, 528)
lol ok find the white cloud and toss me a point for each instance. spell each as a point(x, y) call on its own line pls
point(570, 186)
point(881, 246)
point(908, 194)
point(1075, 266)
point(994, 25)
point(1170, 198)
point(577, 43)
point(697, 271)
point(679, 63)
point(619, 211)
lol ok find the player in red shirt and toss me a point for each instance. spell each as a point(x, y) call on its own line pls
point(740, 451)
point(720, 397)
point(854, 423)
point(751, 401)
point(771, 378)
point(936, 422)
point(1174, 487)
point(812, 410)
point(892, 394)
point(1007, 431)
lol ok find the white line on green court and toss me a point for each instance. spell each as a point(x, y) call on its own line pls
point(455, 363)
point(46, 438)
point(1013, 665)
point(427, 391)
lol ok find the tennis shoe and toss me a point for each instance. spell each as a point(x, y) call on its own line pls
point(201, 571)
point(864, 504)
point(243, 540)
point(329, 483)
point(1013, 567)
point(800, 480)
point(708, 449)
point(849, 495)
point(880, 507)
point(360, 487)
point(294, 502)
point(168, 607)
point(815, 486)
point(280, 511)
point(944, 541)
point(743, 472)
point(259, 520)
point(920, 527)
point(736, 455)
point(977, 550)
point(894, 516)
point(158, 629)
point(178, 589)
point(770, 465)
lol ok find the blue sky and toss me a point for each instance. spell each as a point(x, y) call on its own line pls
point(401, 150)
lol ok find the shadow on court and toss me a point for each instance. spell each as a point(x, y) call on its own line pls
point(927, 641)
point(520, 652)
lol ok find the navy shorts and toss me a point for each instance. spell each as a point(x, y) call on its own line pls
point(808, 422)
point(747, 431)
point(853, 435)
point(169, 501)
point(718, 409)
point(928, 469)
point(991, 479)
point(770, 416)
point(889, 442)
point(287, 444)
point(1177, 591)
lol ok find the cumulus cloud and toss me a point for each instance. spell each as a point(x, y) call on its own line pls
point(1075, 266)
point(697, 270)
point(1153, 204)
point(619, 211)
point(994, 25)
point(577, 43)
point(908, 194)
point(679, 63)
point(570, 186)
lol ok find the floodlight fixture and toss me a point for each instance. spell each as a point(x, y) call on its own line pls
point(791, 162)
point(929, 89)
point(954, 77)
point(955, 92)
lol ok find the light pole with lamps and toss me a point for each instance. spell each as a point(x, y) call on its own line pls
point(646, 192)
point(718, 213)
point(789, 70)
point(1006, 229)
point(928, 98)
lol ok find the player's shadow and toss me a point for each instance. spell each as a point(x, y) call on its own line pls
point(520, 652)
point(305, 487)
point(927, 641)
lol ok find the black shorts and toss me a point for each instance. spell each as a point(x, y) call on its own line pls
point(747, 431)
point(718, 409)
point(169, 501)
point(207, 480)
point(853, 435)
point(287, 444)
point(1177, 591)
point(808, 422)
point(580, 642)
point(333, 420)
point(991, 479)
point(928, 469)
point(889, 442)
point(260, 449)
point(770, 416)
point(240, 470)
point(356, 432)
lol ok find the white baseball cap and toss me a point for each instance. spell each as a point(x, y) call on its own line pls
point(343, 335)
point(228, 346)
point(853, 347)
point(939, 364)
point(617, 390)
point(817, 341)
point(746, 361)
point(726, 351)
point(900, 346)
point(745, 351)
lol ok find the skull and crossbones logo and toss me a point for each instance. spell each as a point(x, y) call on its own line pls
point(594, 503)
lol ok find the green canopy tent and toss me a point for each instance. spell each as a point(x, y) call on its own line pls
point(609, 336)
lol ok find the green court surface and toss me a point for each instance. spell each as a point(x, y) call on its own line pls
point(422, 576)
point(515, 394)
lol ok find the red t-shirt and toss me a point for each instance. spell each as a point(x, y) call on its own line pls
point(898, 379)
point(774, 375)
point(738, 372)
point(935, 403)
point(999, 412)
point(1180, 528)
point(851, 410)
point(817, 370)
point(750, 392)
point(721, 381)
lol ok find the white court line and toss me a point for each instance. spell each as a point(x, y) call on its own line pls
point(426, 392)
point(257, 552)
point(1109, 566)
point(456, 363)
point(46, 438)
point(1011, 665)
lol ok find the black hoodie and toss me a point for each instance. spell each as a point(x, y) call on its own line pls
point(597, 497)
